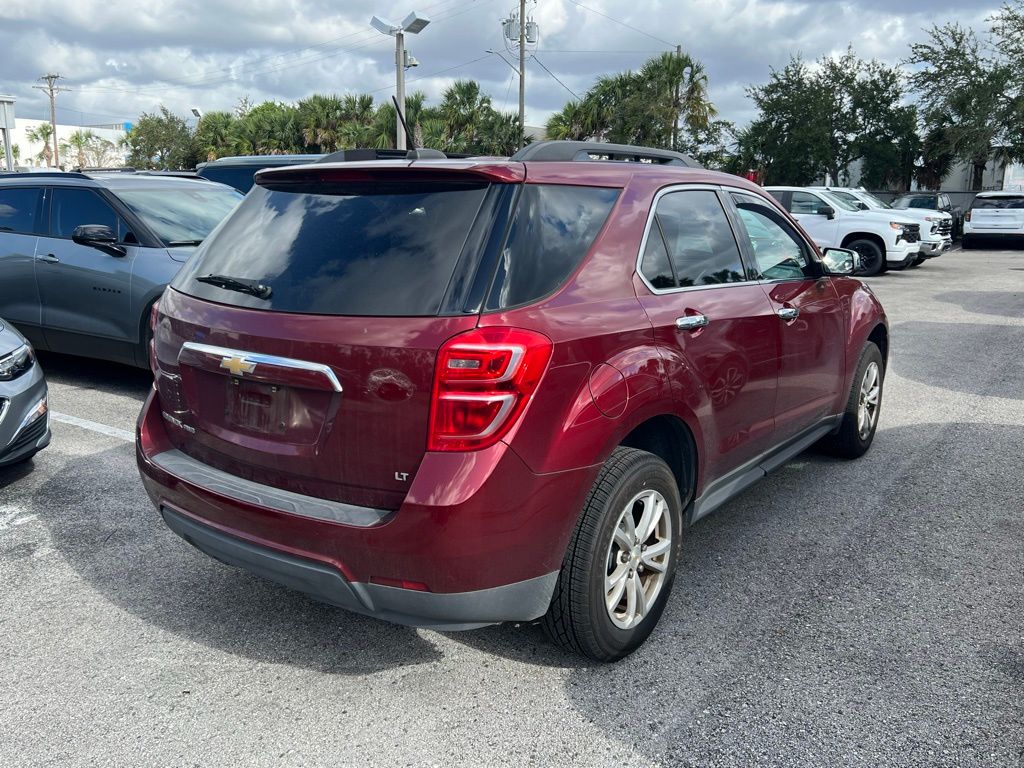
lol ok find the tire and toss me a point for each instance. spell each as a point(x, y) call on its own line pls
point(966, 243)
point(872, 258)
point(578, 618)
point(851, 440)
point(918, 262)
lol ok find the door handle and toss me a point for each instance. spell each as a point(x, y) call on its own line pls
point(691, 322)
point(50, 258)
point(789, 313)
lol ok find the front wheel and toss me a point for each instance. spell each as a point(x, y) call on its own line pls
point(860, 419)
point(619, 567)
point(918, 261)
point(872, 257)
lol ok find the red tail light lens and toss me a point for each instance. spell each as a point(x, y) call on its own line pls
point(483, 381)
point(967, 216)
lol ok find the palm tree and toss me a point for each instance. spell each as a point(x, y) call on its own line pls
point(214, 135)
point(79, 143)
point(42, 133)
point(567, 123)
point(463, 108)
point(320, 119)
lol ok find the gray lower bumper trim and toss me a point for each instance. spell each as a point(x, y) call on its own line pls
point(521, 601)
point(190, 470)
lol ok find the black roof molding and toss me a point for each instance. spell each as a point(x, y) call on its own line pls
point(44, 175)
point(597, 151)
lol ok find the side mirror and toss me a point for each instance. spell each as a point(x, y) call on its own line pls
point(98, 236)
point(827, 210)
point(840, 261)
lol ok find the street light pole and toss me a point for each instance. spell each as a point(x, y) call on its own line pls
point(414, 24)
point(400, 88)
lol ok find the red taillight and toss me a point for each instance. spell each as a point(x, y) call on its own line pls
point(483, 380)
point(967, 216)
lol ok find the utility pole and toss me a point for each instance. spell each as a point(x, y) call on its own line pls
point(522, 67)
point(676, 105)
point(52, 89)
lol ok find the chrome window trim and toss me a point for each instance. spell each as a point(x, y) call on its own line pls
point(258, 357)
point(716, 188)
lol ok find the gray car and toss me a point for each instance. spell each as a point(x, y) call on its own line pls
point(24, 424)
point(83, 256)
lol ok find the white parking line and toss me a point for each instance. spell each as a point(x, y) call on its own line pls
point(93, 426)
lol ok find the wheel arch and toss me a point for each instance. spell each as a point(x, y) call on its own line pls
point(668, 437)
point(875, 238)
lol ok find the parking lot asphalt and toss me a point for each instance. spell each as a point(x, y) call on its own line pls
point(868, 613)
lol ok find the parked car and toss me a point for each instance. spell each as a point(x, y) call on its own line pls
point(995, 216)
point(933, 201)
point(936, 226)
point(24, 423)
point(450, 394)
point(84, 256)
point(882, 238)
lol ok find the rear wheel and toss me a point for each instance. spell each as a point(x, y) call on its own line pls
point(918, 261)
point(619, 567)
point(872, 257)
point(966, 243)
point(860, 419)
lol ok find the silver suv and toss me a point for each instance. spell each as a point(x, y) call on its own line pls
point(83, 256)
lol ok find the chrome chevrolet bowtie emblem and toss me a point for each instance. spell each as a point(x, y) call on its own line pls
point(237, 365)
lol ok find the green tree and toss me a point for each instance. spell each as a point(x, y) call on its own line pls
point(214, 136)
point(79, 144)
point(971, 89)
point(160, 140)
point(270, 128)
point(42, 133)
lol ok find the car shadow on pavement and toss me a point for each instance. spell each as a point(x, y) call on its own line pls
point(87, 373)
point(102, 522)
point(999, 303)
point(14, 472)
point(836, 608)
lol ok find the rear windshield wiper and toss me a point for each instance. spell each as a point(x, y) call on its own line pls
point(173, 243)
point(258, 290)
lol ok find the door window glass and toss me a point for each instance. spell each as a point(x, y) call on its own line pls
point(699, 239)
point(74, 207)
point(19, 207)
point(655, 265)
point(804, 202)
point(778, 251)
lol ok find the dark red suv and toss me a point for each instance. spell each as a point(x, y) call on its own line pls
point(454, 393)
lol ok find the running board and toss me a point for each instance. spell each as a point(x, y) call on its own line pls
point(737, 481)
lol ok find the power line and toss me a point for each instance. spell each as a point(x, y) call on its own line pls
point(553, 75)
point(438, 72)
point(623, 24)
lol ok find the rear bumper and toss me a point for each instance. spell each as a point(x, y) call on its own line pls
point(522, 601)
point(478, 540)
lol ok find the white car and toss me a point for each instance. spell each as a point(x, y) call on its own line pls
point(882, 238)
point(995, 215)
point(936, 226)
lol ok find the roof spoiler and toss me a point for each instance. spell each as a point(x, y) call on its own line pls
point(596, 151)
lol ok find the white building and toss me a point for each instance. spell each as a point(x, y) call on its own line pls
point(30, 152)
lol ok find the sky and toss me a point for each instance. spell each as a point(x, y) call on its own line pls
point(119, 58)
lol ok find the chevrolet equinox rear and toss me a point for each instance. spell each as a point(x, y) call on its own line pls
point(451, 393)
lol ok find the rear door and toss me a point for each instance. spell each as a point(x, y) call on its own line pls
point(20, 220)
point(321, 382)
point(1004, 213)
point(805, 207)
point(707, 311)
point(810, 318)
point(84, 291)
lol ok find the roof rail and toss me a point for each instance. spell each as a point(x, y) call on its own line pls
point(44, 174)
point(577, 151)
point(361, 155)
point(111, 169)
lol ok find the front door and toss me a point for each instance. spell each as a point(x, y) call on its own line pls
point(85, 292)
point(715, 323)
point(810, 318)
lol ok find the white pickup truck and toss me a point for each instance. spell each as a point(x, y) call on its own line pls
point(936, 226)
point(882, 238)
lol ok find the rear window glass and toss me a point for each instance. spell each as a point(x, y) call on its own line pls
point(18, 209)
point(241, 178)
point(553, 228)
point(925, 201)
point(1016, 202)
point(377, 248)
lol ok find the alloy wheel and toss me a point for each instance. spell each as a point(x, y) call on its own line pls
point(867, 406)
point(637, 560)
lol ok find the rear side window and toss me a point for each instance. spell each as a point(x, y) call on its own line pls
point(923, 201)
point(19, 209)
point(74, 207)
point(699, 241)
point(1015, 202)
point(553, 228)
point(341, 248)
